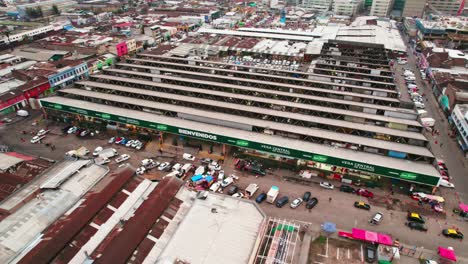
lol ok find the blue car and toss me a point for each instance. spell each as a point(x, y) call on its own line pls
point(261, 197)
point(124, 141)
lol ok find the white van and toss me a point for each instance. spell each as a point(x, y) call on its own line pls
point(186, 167)
point(215, 186)
point(176, 167)
point(200, 170)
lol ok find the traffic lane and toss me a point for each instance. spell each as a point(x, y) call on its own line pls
point(342, 212)
point(450, 151)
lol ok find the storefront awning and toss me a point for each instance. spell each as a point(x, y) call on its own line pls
point(447, 253)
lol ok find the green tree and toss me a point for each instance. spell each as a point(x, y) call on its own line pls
point(55, 10)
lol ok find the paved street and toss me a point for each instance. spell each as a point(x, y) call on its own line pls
point(450, 151)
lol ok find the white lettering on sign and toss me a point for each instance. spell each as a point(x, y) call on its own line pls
point(197, 134)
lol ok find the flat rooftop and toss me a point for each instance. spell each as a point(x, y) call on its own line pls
point(206, 237)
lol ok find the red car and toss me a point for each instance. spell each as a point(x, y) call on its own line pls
point(365, 193)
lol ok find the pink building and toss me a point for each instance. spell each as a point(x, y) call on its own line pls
point(121, 49)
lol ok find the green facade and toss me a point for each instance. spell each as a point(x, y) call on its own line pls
point(293, 153)
point(399, 5)
point(367, 3)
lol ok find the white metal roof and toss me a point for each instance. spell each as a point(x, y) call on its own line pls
point(204, 237)
point(260, 90)
point(281, 31)
point(375, 159)
point(266, 100)
point(7, 161)
point(254, 34)
point(238, 66)
point(270, 112)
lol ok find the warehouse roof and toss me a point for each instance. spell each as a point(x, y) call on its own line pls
point(230, 234)
point(7, 161)
point(387, 162)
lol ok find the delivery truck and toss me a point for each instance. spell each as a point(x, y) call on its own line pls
point(272, 194)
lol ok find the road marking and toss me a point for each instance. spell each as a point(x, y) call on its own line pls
point(349, 256)
point(337, 253)
point(362, 254)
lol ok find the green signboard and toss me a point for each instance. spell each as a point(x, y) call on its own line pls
point(355, 165)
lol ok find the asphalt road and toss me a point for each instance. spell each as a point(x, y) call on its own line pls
point(450, 151)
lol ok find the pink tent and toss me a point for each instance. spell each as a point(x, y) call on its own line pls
point(370, 236)
point(463, 207)
point(447, 253)
point(385, 239)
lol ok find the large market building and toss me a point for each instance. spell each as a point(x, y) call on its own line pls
point(342, 114)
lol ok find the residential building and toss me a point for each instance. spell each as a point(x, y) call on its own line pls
point(68, 72)
point(447, 7)
point(414, 8)
point(460, 123)
point(452, 31)
point(131, 46)
point(381, 8)
point(319, 5)
point(347, 7)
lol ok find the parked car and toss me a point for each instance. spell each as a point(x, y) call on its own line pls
point(163, 166)
point(97, 151)
point(415, 217)
point(111, 140)
point(365, 193)
point(416, 225)
point(135, 143)
point(84, 133)
point(232, 189)
point(261, 197)
point(377, 218)
point(312, 203)
point(282, 201)
point(72, 130)
point(362, 205)
point(124, 141)
point(122, 158)
point(141, 170)
point(187, 156)
point(306, 196)
point(327, 185)
point(215, 187)
point(371, 253)
point(296, 203)
point(140, 146)
point(453, 233)
point(226, 182)
point(238, 195)
point(347, 188)
point(221, 175)
point(206, 161)
point(446, 184)
point(66, 128)
point(119, 140)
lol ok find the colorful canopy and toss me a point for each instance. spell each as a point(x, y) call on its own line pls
point(447, 253)
point(463, 207)
point(370, 236)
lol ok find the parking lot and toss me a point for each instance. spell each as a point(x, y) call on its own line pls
point(333, 205)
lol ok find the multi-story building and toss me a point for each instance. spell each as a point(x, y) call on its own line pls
point(45, 6)
point(446, 7)
point(347, 7)
point(413, 8)
point(381, 8)
point(68, 72)
point(460, 122)
point(319, 5)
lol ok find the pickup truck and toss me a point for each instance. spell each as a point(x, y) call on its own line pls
point(122, 158)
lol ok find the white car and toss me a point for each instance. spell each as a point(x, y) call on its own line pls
point(221, 175)
point(122, 158)
point(163, 166)
point(238, 195)
point(111, 140)
point(215, 187)
point(146, 162)
point(97, 151)
point(446, 184)
point(139, 146)
point(36, 139)
point(176, 167)
point(140, 170)
point(419, 105)
point(136, 143)
point(226, 182)
point(129, 143)
point(72, 130)
point(402, 62)
point(296, 203)
point(187, 156)
point(327, 185)
point(42, 132)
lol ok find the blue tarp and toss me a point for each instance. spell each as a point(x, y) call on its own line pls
point(397, 154)
point(329, 227)
point(197, 178)
point(68, 27)
point(209, 178)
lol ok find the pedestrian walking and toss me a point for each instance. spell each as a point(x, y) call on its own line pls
point(436, 142)
point(329, 199)
point(441, 144)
